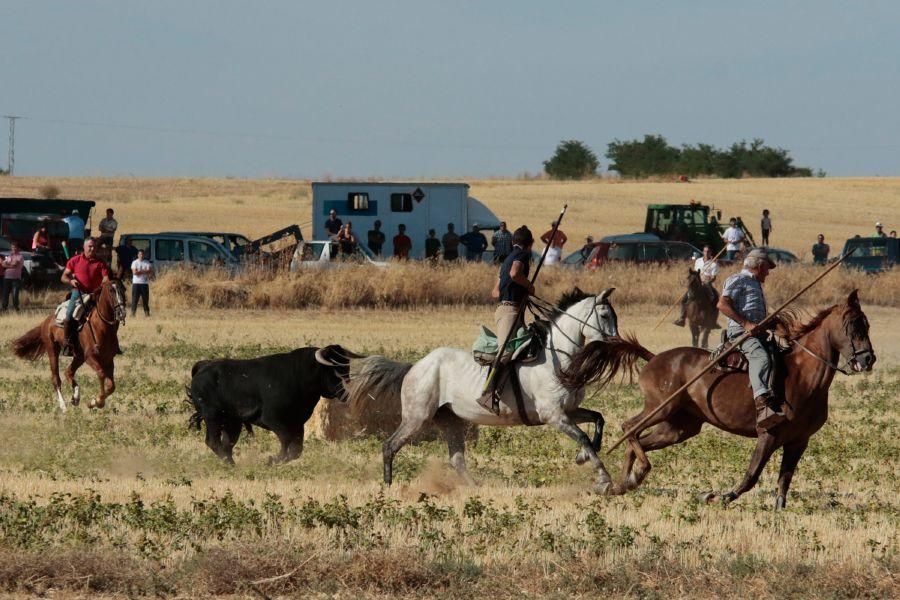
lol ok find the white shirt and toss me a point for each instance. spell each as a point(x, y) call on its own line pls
point(710, 271)
point(766, 223)
point(734, 237)
point(140, 265)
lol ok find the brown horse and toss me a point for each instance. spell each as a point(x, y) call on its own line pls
point(700, 312)
point(725, 400)
point(98, 343)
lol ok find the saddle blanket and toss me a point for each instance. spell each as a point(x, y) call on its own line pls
point(78, 314)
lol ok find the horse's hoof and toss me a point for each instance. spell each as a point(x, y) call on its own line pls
point(581, 457)
point(603, 488)
point(707, 497)
point(728, 498)
point(780, 503)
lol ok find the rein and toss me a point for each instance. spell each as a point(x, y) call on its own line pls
point(827, 363)
point(115, 319)
point(541, 307)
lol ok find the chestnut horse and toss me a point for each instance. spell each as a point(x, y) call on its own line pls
point(725, 400)
point(701, 312)
point(98, 343)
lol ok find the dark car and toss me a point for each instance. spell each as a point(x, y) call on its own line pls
point(871, 254)
point(633, 251)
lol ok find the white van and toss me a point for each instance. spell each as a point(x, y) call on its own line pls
point(167, 250)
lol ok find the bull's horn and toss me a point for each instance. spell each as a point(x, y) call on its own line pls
point(320, 358)
point(606, 293)
point(344, 352)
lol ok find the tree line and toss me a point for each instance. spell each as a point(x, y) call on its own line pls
point(653, 156)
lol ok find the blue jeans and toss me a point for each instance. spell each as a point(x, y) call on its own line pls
point(760, 362)
point(11, 286)
point(730, 254)
point(73, 302)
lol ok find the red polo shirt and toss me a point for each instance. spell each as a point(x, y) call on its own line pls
point(88, 271)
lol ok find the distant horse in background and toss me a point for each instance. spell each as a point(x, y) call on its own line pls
point(444, 388)
point(724, 399)
point(98, 343)
point(700, 312)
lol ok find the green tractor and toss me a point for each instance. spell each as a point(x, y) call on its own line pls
point(690, 223)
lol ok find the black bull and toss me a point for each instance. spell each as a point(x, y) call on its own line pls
point(277, 392)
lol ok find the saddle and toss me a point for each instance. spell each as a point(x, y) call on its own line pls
point(736, 362)
point(82, 310)
point(523, 347)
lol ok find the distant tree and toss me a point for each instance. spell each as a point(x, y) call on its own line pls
point(639, 158)
point(49, 192)
point(697, 160)
point(573, 160)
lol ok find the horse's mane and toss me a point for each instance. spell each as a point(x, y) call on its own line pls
point(789, 322)
point(600, 361)
point(573, 296)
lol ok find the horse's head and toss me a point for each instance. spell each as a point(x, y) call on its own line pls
point(693, 278)
point(594, 315)
point(850, 334)
point(113, 295)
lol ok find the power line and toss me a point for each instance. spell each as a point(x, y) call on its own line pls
point(11, 156)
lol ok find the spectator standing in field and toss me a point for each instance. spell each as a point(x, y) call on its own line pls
point(12, 275)
point(502, 243)
point(402, 243)
point(76, 232)
point(733, 237)
point(475, 244)
point(108, 227)
point(555, 252)
point(893, 234)
point(879, 230)
point(40, 242)
point(432, 246)
point(333, 224)
point(376, 239)
point(141, 270)
point(126, 253)
point(765, 225)
point(820, 251)
point(450, 242)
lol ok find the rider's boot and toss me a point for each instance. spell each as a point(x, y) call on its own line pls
point(70, 327)
point(768, 412)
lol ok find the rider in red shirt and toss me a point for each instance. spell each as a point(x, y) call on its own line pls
point(86, 274)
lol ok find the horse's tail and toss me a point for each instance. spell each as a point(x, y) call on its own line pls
point(600, 362)
point(31, 345)
point(374, 385)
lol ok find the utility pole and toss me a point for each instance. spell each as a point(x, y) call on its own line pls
point(11, 160)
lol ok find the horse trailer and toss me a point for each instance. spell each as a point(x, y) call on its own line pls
point(418, 206)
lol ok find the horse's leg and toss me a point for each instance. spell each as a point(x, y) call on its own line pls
point(704, 341)
point(586, 415)
point(766, 444)
point(789, 459)
point(695, 334)
point(566, 426)
point(419, 402)
point(454, 431)
point(77, 361)
point(106, 376)
point(678, 428)
point(53, 357)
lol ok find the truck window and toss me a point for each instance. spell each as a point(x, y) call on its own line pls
point(401, 202)
point(142, 244)
point(357, 201)
point(171, 250)
point(202, 253)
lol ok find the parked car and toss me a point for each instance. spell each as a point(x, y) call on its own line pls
point(38, 269)
point(782, 256)
point(634, 251)
point(167, 250)
point(325, 254)
point(872, 254)
point(233, 242)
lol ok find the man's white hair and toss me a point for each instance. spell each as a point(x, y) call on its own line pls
point(753, 262)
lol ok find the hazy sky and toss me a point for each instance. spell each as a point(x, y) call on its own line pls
point(430, 89)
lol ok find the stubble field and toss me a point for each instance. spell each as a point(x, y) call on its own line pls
point(128, 501)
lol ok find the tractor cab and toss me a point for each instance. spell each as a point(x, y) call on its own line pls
point(692, 223)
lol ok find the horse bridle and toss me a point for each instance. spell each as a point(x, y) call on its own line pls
point(119, 311)
point(543, 308)
point(828, 363)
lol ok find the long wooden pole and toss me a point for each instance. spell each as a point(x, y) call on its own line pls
point(734, 346)
point(677, 302)
point(521, 310)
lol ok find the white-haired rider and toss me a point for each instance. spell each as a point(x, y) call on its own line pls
point(744, 303)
